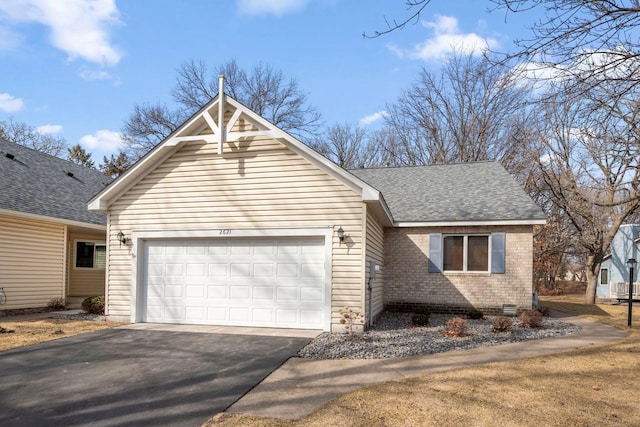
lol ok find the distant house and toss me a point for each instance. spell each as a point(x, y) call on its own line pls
point(51, 245)
point(232, 221)
point(613, 281)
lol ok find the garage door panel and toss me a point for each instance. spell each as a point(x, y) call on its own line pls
point(246, 282)
point(311, 271)
point(218, 270)
point(195, 291)
point(240, 270)
point(263, 293)
point(308, 294)
point(263, 270)
point(287, 270)
point(217, 292)
point(240, 292)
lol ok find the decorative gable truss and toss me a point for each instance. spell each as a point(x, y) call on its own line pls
point(222, 122)
point(225, 122)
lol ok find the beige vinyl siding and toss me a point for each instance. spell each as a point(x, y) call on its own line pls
point(84, 282)
point(375, 252)
point(254, 184)
point(31, 262)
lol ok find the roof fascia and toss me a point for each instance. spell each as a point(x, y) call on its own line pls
point(144, 166)
point(45, 218)
point(470, 223)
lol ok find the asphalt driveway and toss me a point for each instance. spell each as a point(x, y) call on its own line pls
point(124, 377)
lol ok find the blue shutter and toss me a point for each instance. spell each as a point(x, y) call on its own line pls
point(498, 244)
point(435, 253)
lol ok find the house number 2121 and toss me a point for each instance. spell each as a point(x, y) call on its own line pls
point(225, 231)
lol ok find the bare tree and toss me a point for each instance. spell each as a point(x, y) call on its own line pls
point(24, 134)
point(472, 111)
point(582, 41)
point(346, 145)
point(588, 151)
point(264, 90)
point(147, 125)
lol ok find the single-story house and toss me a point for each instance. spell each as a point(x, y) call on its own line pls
point(613, 280)
point(232, 221)
point(51, 245)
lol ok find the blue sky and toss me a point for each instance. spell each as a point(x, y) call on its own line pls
point(75, 68)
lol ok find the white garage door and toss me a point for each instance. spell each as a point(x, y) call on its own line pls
point(267, 282)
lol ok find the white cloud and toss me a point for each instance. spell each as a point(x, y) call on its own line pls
point(49, 129)
point(9, 40)
point(447, 37)
point(274, 7)
point(78, 27)
point(10, 104)
point(88, 74)
point(372, 118)
point(104, 140)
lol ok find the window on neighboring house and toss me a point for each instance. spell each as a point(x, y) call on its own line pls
point(91, 255)
point(466, 253)
point(604, 276)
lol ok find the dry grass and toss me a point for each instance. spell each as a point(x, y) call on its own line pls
point(592, 386)
point(28, 332)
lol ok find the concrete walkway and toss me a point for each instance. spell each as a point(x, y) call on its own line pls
point(300, 386)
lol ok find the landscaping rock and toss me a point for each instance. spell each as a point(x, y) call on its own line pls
point(394, 336)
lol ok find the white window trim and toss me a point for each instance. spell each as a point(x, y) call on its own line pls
point(75, 253)
point(465, 250)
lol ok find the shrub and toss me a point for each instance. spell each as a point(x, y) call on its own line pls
point(543, 310)
point(57, 304)
point(531, 319)
point(350, 318)
point(475, 314)
point(423, 310)
point(94, 305)
point(456, 327)
point(420, 319)
point(501, 324)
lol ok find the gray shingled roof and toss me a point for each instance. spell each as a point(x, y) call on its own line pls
point(482, 191)
point(37, 183)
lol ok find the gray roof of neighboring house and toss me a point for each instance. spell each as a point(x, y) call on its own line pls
point(482, 191)
point(37, 183)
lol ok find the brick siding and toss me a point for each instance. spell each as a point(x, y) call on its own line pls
point(408, 282)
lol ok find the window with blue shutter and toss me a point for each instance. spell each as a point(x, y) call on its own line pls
point(498, 244)
point(435, 253)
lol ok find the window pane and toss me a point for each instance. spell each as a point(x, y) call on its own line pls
point(604, 276)
point(84, 254)
point(453, 250)
point(478, 254)
point(101, 255)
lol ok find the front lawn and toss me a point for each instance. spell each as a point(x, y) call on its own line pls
point(592, 386)
point(19, 333)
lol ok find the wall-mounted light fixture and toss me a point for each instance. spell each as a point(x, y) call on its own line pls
point(121, 238)
point(341, 234)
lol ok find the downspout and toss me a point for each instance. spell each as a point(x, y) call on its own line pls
point(221, 128)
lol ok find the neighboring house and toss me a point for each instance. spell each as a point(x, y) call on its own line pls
point(254, 228)
point(613, 281)
point(51, 245)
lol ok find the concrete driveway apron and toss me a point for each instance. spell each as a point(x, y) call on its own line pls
point(133, 377)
